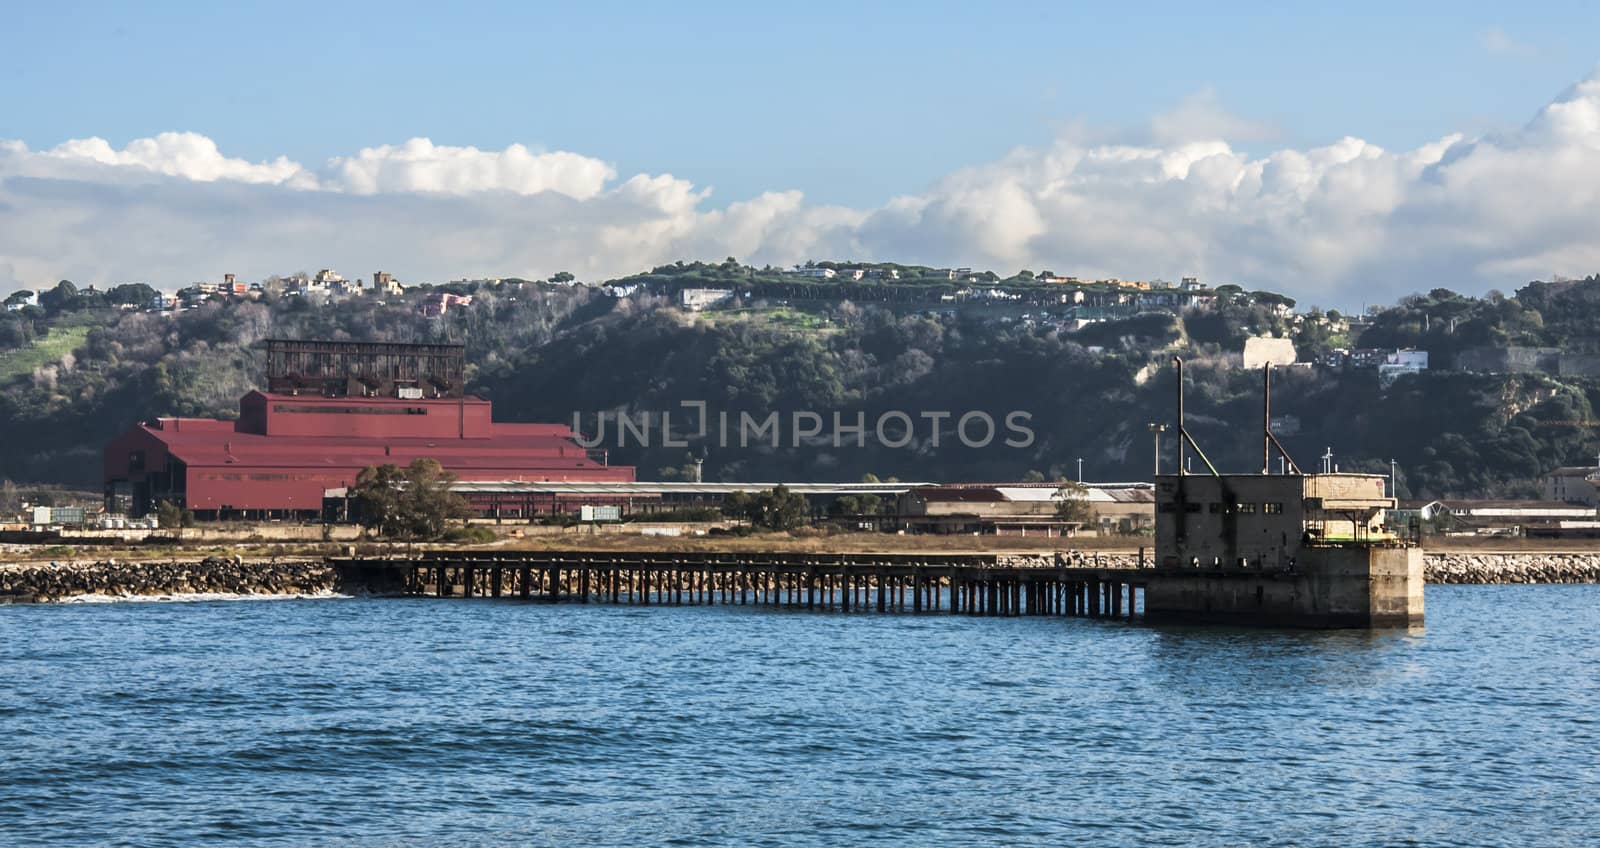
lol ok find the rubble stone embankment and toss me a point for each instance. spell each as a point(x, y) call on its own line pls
point(1512, 567)
point(1454, 567)
point(213, 575)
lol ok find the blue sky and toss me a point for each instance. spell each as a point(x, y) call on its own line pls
point(850, 102)
point(1345, 153)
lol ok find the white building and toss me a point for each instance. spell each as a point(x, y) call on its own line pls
point(698, 299)
point(1263, 350)
point(384, 283)
point(812, 273)
point(1401, 362)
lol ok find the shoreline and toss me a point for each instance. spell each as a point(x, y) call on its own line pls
point(234, 578)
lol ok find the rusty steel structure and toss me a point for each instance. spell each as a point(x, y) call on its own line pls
point(365, 369)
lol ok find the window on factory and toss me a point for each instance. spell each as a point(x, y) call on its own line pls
point(296, 409)
point(1243, 508)
point(1272, 508)
point(1168, 506)
point(1215, 508)
point(1191, 506)
point(258, 476)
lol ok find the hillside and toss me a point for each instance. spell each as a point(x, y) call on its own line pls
point(76, 376)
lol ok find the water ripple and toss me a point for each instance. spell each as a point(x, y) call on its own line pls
point(415, 723)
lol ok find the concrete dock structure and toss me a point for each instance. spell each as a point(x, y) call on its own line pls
point(1288, 550)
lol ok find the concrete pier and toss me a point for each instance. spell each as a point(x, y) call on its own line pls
point(1359, 587)
point(950, 584)
point(1298, 550)
point(1331, 587)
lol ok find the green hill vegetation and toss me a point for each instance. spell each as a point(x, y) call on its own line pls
point(41, 352)
point(75, 373)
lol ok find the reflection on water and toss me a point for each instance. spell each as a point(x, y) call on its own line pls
point(419, 722)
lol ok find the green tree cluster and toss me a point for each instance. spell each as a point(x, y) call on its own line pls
point(1072, 503)
point(779, 508)
point(414, 502)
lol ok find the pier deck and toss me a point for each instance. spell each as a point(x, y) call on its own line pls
point(962, 584)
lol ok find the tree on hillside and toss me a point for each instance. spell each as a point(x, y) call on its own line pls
point(1266, 298)
point(19, 296)
point(562, 277)
point(59, 298)
point(414, 502)
point(137, 294)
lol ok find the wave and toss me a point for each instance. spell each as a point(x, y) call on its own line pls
point(194, 597)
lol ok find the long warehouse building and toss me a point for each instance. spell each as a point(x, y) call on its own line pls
point(330, 410)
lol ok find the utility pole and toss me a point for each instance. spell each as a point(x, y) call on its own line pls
point(1155, 431)
point(1080, 471)
point(1327, 461)
point(1393, 492)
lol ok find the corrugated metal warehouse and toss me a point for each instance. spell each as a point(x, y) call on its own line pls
point(332, 409)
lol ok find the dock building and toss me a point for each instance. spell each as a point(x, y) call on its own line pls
point(1308, 550)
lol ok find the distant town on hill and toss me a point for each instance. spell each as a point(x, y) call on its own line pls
point(1469, 396)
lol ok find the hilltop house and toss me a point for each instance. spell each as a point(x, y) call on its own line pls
point(812, 273)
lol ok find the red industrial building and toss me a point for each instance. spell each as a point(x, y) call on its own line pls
point(330, 410)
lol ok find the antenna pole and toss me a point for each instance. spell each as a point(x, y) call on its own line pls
point(1266, 418)
point(1181, 432)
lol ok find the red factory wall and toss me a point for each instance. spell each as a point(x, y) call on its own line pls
point(285, 450)
point(300, 488)
point(373, 418)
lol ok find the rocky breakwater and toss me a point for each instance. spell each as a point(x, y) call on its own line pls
point(1512, 568)
point(210, 576)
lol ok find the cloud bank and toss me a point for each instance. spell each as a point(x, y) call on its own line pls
point(1341, 224)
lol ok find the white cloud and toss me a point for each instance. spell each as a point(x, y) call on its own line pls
point(1201, 116)
point(421, 166)
point(1342, 223)
point(174, 154)
point(1497, 41)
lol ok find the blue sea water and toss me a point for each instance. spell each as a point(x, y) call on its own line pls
point(358, 722)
